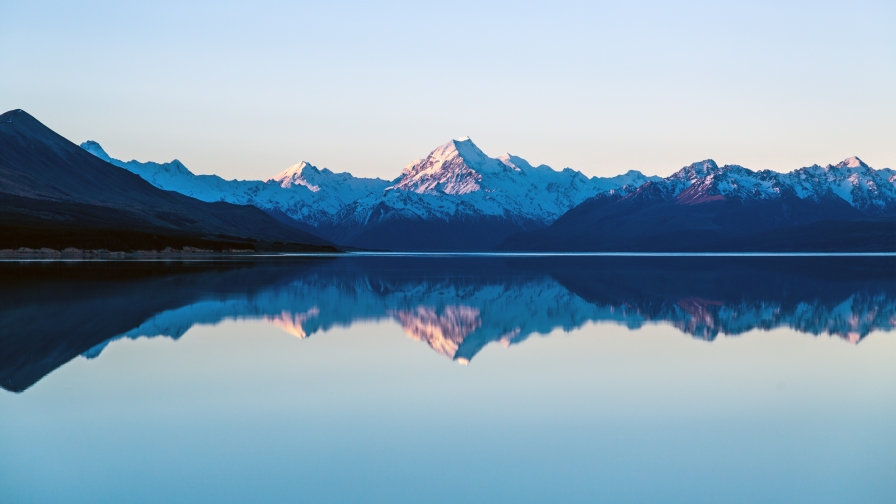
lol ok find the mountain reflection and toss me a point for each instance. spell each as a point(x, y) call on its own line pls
point(51, 313)
point(444, 332)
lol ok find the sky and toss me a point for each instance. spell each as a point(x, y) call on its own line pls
point(245, 89)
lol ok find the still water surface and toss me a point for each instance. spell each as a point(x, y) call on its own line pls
point(449, 379)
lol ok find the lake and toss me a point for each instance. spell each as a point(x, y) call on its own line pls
point(439, 378)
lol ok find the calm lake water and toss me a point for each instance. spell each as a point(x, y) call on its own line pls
point(449, 379)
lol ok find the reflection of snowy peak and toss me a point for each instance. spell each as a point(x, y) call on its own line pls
point(457, 317)
point(444, 332)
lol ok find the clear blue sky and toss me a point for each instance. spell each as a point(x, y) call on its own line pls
point(246, 89)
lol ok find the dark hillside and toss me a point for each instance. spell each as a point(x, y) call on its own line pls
point(49, 185)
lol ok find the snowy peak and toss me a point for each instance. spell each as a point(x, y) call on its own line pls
point(95, 149)
point(697, 170)
point(851, 162)
point(631, 178)
point(514, 162)
point(862, 187)
point(471, 154)
point(695, 178)
point(462, 149)
point(344, 187)
point(298, 175)
point(459, 181)
point(454, 168)
point(149, 171)
point(459, 167)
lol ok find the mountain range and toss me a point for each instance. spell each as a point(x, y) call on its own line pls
point(848, 206)
point(54, 194)
point(458, 198)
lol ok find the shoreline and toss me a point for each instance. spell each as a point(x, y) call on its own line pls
point(187, 252)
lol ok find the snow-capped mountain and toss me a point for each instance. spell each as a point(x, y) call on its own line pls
point(458, 317)
point(706, 207)
point(463, 198)
point(458, 198)
point(333, 190)
point(458, 172)
point(303, 192)
point(866, 189)
point(862, 187)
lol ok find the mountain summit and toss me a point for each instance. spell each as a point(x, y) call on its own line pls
point(298, 174)
point(454, 168)
point(852, 162)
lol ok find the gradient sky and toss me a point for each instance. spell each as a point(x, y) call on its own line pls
point(246, 89)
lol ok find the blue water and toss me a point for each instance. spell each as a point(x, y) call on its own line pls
point(449, 379)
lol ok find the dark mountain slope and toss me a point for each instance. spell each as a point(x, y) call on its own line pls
point(52, 184)
point(390, 229)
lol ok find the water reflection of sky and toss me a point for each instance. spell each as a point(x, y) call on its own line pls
point(238, 410)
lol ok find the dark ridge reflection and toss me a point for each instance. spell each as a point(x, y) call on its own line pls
point(52, 312)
